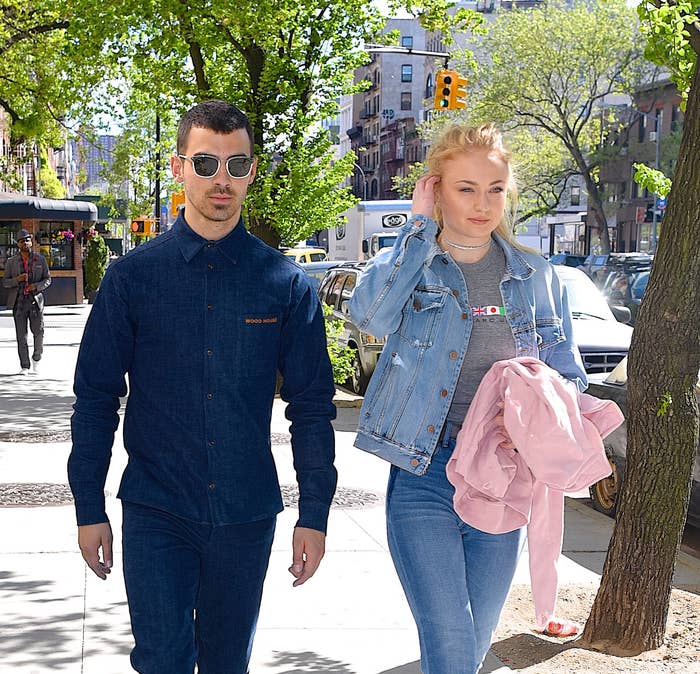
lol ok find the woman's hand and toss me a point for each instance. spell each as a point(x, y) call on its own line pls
point(507, 442)
point(424, 196)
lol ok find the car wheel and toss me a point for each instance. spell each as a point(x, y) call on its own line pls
point(605, 492)
point(358, 380)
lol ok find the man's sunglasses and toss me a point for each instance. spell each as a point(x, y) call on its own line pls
point(207, 165)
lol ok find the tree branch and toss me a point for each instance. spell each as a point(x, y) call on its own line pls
point(33, 32)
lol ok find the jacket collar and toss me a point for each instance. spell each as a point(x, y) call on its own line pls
point(190, 243)
point(516, 265)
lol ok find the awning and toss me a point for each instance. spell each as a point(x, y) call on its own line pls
point(20, 206)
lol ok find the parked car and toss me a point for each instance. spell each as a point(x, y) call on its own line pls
point(304, 254)
point(335, 291)
point(598, 267)
point(604, 492)
point(567, 259)
point(602, 341)
point(317, 270)
point(627, 290)
point(600, 332)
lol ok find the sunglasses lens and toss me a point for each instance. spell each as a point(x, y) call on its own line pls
point(205, 167)
point(239, 167)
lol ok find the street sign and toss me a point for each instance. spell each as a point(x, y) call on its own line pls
point(661, 203)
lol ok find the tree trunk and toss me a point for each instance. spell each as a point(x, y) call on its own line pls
point(630, 611)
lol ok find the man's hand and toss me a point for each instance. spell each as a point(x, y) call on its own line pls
point(31, 287)
point(308, 548)
point(22, 278)
point(92, 537)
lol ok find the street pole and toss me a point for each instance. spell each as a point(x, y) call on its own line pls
point(656, 166)
point(157, 183)
point(364, 181)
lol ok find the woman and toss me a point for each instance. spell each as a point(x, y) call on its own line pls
point(455, 295)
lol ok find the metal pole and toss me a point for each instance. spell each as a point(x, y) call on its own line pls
point(656, 166)
point(364, 181)
point(157, 184)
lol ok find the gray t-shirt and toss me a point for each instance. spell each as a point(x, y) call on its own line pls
point(491, 337)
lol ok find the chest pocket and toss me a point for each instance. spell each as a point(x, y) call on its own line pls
point(258, 347)
point(549, 332)
point(36, 271)
point(421, 312)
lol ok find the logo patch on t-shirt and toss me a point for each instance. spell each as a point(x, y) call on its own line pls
point(488, 310)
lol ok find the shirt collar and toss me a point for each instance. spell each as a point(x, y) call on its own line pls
point(190, 243)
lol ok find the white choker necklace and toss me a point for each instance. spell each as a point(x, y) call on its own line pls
point(458, 247)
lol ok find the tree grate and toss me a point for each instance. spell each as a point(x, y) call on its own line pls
point(36, 494)
point(48, 435)
point(346, 498)
point(33, 494)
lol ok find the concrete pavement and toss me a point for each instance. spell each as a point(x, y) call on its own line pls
point(351, 618)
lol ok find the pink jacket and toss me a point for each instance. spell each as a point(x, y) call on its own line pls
point(558, 433)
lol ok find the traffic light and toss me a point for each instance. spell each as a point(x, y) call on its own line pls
point(458, 91)
point(177, 199)
point(450, 90)
point(143, 226)
point(443, 84)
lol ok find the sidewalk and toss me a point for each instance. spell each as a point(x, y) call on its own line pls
point(351, 618)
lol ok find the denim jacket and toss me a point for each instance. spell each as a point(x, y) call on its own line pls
point(416, 294)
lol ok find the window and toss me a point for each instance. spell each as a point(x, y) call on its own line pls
point(675, 118)
point(56, 243)
point(407, 41)
point(429, 86)
point(407, 72)
point(333, 290)
point(406, 100)
point(642, 128)
point(8, 247)
point(575, 195)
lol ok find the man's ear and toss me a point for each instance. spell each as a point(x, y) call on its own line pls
point(176, 168)
point(253, 171)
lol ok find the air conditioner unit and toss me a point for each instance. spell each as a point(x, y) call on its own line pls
point(652, 136)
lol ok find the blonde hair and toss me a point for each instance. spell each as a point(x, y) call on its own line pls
point(458, 139)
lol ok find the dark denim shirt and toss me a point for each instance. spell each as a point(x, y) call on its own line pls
point(201, 329)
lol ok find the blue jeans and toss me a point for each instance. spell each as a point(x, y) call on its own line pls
point(456, 578)
point(194, 590)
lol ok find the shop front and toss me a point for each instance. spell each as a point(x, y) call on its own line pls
point(57, 226)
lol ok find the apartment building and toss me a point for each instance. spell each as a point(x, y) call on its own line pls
point(650, 134)
point(380, 122)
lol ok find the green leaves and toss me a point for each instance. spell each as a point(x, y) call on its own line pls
point(667, 28)
point(652, 179)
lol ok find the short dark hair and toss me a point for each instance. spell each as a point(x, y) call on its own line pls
point(215, 115)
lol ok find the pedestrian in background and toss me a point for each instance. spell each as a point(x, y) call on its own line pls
point(27, 276)
point(201, 319)
point(455, 295)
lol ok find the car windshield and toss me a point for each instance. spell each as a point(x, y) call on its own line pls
point(386, 241)
point(585, 300)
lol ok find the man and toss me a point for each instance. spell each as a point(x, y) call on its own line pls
point(27, 276)
point(202, 318)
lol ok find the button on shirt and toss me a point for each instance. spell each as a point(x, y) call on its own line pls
point(201, 329)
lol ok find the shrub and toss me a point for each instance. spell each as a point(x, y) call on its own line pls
point(341, 356)
point(96, 257)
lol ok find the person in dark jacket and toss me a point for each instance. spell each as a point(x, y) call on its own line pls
point(202, 318)
point(27, 276)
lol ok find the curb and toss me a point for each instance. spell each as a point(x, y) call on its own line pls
point(343, 398)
